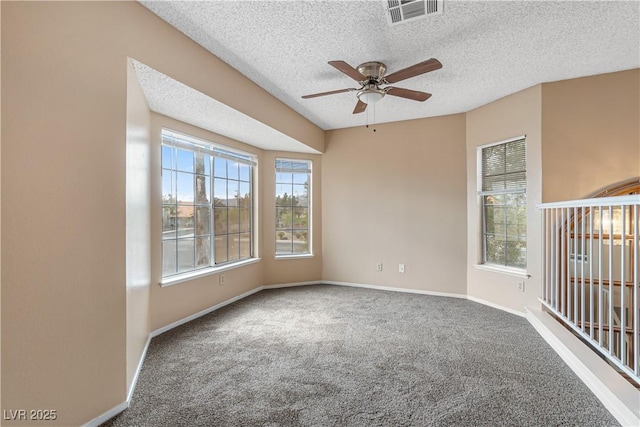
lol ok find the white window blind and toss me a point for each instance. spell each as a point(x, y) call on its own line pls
point(504, 167)
point(175, 139)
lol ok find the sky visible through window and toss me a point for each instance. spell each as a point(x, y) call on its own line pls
point(222, 168)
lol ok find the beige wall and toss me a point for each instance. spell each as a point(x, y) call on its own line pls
point(64, 299)
point(63, 281)
point(396, 196)
point(283, 270)
point(512, 116)
point(1, 203)
point(138, 228)
point(590, 133)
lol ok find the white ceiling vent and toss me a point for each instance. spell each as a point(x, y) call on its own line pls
point(400, 11)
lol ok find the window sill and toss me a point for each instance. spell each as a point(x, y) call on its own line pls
point(179, 278)
point(504, 270)
point(301, 256)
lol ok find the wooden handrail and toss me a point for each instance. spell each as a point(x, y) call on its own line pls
point(605, 282)
point(604, 236)
point(605, 327)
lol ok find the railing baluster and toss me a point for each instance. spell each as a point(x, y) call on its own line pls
point(623, 288)
point(555, 257)
point(563, 261)
point(584, 257)
point(549, 256)
point(591, 320)
point(636, 291)
point(568, 249)
point(545, 282)
point(611, 280)
point(600, 284)
point(575, 265)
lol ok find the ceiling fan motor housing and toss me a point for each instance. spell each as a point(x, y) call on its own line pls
point(373, 71)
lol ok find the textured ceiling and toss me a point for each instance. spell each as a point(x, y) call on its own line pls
point(174, 99)
point(489, 49)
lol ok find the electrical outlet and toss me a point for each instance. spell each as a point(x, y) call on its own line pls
point(379, 266)
point(521, 286)
point(222, 278)
point(400, 268)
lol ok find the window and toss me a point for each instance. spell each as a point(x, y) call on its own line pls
point(206, 204)
point(503, 186)
point(293, 203)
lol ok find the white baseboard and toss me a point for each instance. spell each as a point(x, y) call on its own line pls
point(388, 288)
point(620, 398)
point(423, 292)
point(124, 405)
point(203, 312)
point(107, 415)
point(290, 285)
point(138, 368)
point(499, 307)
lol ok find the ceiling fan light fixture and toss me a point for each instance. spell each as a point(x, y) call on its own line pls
point(370, 95)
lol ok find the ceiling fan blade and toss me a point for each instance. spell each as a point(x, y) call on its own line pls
point(314, 95)
point(348, 70)
point(360, 107)
point(415, 70)
point(408, 93)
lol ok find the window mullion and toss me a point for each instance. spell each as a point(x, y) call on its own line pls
point(484, 229)
point(228, 212)
point(212, 232)
point(506, 227)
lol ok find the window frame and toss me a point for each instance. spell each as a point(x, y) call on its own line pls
point(309, 228)
point(482, 254)
point(180, 140)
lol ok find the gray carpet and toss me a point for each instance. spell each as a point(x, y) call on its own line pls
point(336, 356)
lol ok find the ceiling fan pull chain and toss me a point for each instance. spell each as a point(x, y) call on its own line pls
point(366, 118)
point(374, 116)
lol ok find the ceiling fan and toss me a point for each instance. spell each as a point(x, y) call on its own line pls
point(371, 75)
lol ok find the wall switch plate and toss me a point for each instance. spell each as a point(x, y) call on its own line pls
point(400, 268)
point(379, 266)
point(222, 278)
point(521, 286)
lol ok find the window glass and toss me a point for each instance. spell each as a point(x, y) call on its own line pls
point(206, 204)
point(293, 184)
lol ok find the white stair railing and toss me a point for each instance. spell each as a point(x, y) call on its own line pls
point(591, 251)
